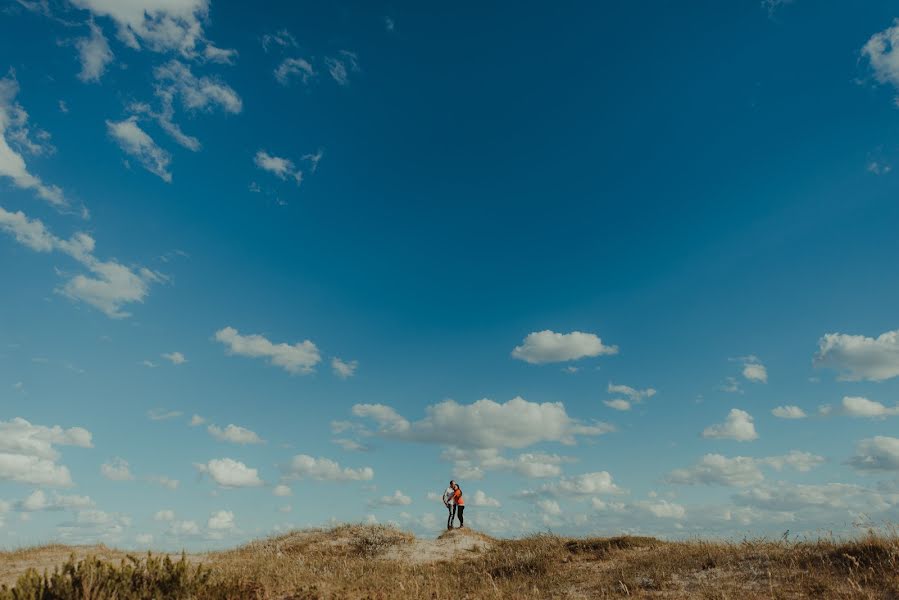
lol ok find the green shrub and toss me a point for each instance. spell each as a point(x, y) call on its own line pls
point(134, 578)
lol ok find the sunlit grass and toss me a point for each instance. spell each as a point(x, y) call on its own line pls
point(356, 561)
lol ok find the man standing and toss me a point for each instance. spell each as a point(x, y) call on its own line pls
point(449, 501)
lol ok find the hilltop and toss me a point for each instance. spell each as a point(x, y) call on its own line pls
point(356, 561)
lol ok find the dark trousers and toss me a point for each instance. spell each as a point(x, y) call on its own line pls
point(460, 509)
point(452, 513)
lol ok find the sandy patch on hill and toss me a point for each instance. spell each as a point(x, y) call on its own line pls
point(452, 545)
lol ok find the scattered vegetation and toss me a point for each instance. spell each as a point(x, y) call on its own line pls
point(362, 562)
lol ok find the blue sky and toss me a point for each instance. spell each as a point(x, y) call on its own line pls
point(614, 268)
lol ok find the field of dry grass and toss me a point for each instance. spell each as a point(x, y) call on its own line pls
point(380, 562)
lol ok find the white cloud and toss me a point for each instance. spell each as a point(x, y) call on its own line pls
point(175, 80)
point(479, 498)
point(161, 25)
point(880, 50)
point(633, 394)
point(197, 93)
point(102, 524)
point(14, 131)
point(720, 470)
point(484, 424)
point(879, 453)
point(857, 406)
point(156, 414)
point(303, 466)
point(135, 142)
point(38, 500)
point(282, 491)
point(858, 357)
point(547, 346)
point(788, 412)
point(549, 507)
point(184, 528)
point(662, 509)
point(282, 38)
point(166, 482)
point(738, 426)
point(176, 358)
point(741, 471)
point(299, 358)
point(586, 484)
point(27, 453)
point(144, 539)
point(234, 434)
point(389, 421)
point(731, 386)
point(196, 421)
point(282, 168)
point(117, 470)
point(33, 469)
point(221, 520)
point(618, 404)
point(340, 67)
point(398, 498)
point(350, 445)
point(879, 167)
point(94, 54)
point(795, 459)
point(314, 159)
point(472, 464)
point(754, 370)
point(164, 515)
point(344, 369)
point(230, 473)
point(787, 496)
point(294, 67)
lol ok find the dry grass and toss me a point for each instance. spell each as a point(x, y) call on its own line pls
point(374, 562)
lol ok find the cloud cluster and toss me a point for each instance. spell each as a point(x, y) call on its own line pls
point(38, 500)
point(788, 412)
point(880, 50)
point(282, 168)
point(858, 357)
point(116, 469)
point(879, 453)
point(473, 464)
point(230, 473)
point(234, 434)
point(547, 346)
point(303, 466)
point(160, 25)
point(738, 426)
point(297, 359)
point(344, 368)
point(741, 471)
point(28, 455)
point(859, 406)
point(597, 483)
point(291, 68)
point(517, 423)
point(15, 133)
point(633, 395)
point(94, 53)
point(138, 144)
point(754, 370)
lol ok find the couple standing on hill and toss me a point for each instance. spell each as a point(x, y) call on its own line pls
point(455, 504)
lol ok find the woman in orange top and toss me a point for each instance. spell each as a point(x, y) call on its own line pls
point(460, 506)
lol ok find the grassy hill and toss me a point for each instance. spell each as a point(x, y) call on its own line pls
point(355, 561)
